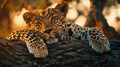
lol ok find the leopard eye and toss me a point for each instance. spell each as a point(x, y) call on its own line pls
point(29, 19)
point(37, 18)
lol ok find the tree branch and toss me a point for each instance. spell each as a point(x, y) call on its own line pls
point(64, 53)
point(96, 18)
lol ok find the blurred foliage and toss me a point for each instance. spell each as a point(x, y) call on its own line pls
point(109, 3)
point(7, 7)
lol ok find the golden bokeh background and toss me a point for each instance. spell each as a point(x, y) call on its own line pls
point(11, 12)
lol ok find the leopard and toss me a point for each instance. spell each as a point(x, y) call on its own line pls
point(54, 21)
point(50, 26)
point(32, 36)
point(97, 40)
point(51, 18)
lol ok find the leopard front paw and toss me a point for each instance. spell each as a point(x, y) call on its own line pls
point(38, 49)
point(101, 48)
point(52, 40)
point(41, 53)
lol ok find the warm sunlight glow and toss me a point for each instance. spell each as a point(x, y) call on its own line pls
point(18, 21)
point(84, 6)
point(111, 15)
point(53, 5)
point(72, 14)
point(81, 20)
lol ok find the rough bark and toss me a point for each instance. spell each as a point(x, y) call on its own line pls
point(64, 53)
point(96, 18)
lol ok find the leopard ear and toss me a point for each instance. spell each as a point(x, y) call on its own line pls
point(62, 7)
point(27, 16)
point(37, 13)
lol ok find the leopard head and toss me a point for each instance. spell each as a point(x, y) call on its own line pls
point(53, 17)
point(47, 19)
point(34, 21)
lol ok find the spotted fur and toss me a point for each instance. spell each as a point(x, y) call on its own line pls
point(50, 26)
point(96, 38)
point(60, 29)
point(33, 41)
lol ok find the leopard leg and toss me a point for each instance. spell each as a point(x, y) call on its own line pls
point(38, 47)
point(45, 36)
point(33, 42)
point(53, 37)
point(98, 41)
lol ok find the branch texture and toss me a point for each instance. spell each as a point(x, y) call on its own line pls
point(64, 53)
